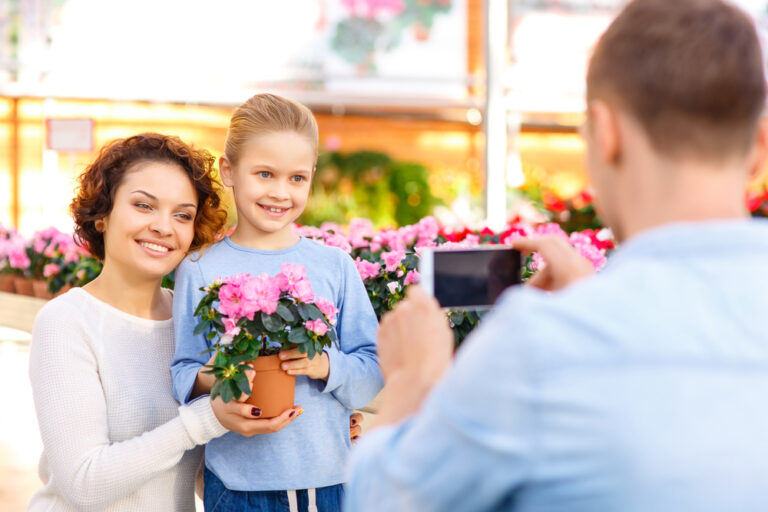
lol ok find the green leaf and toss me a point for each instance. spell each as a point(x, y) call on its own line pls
point(242, 383)
point(226, 391)
point(311, 351)
point(314, 312)
point(272, 323)
point(303, 312)
point(298, 335)
point(210, 335)
point(216, 388)
point(201, 327)
point(457, 318)
point(285, 313)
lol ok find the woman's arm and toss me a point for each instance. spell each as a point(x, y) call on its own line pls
point(90, 471)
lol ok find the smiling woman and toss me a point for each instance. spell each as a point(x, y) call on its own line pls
point(113, 435)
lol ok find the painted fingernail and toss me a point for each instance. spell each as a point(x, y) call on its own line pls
point(292, 413)
point(301, 411)
point(353, 422)
point(255, 411)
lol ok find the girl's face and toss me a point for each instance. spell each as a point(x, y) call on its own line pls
point(151, 225)
point(271, 183)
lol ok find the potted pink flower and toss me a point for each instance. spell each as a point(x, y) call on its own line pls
point(251, 319)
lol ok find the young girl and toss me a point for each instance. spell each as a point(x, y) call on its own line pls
point(269, 160)
point(113, 436)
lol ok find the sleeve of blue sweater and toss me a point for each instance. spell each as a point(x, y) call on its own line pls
point(355, 377)
point(190, 350)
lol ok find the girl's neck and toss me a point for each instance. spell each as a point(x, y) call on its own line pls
point(256, 239)
point(136, 295)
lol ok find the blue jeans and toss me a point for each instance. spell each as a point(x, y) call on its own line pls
point(217, 498)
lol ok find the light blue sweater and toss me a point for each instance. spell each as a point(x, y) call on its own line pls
point(312, 451)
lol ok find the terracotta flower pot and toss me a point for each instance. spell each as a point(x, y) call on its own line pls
point(40, 289)
point(272, 388)
point(23, 286)
point(6, 283)
point(64, 289)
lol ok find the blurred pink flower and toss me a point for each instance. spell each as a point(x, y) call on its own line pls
point(393, 286)
point(339, 241)
point(366, 269)
point(51, 269)
point(412, 277)
point(327, 308)
point(317, 326)
point(260, 293)
point(392, 259)
point(302, 291)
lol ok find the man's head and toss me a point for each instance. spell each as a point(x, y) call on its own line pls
point(687, 73)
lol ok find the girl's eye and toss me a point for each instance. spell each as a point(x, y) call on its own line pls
point(298, 179)
point(265, 174)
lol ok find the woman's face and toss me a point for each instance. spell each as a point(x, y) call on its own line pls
point(151, 225)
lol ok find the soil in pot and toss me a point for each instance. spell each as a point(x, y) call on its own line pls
point(272, 388)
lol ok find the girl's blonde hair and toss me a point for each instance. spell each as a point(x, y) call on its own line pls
point(268, 113)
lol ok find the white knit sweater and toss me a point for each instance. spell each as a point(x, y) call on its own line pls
point(113, 436)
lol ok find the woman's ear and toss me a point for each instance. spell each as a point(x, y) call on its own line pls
point(100, 225)
point(225, 171)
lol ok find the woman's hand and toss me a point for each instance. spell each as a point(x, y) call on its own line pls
point(244, 419)
point(355, 429)
point(296, 363)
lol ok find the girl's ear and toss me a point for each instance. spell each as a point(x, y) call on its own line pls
point(225, 171)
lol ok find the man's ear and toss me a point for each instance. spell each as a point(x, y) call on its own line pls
point(606, 133)
point(760, 151)
point(225, 171)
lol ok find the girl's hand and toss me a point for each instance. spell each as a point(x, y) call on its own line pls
point(243, 419)
point(296, 363)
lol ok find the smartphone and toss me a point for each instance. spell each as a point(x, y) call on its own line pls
point(469, 278)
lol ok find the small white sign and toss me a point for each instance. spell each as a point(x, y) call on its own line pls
point(70, 134)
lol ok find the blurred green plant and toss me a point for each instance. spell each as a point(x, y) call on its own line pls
point(368, 184)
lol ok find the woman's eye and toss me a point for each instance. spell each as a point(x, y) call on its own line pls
point(184, 216)
point(143, 206)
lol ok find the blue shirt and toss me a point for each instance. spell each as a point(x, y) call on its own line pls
point(643, 388)
point(311, 451)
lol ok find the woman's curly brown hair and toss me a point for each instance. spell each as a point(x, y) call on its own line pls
point(100, 180)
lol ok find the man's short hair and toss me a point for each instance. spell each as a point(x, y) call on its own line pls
point(691, 72)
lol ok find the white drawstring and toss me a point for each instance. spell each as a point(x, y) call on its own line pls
point(312, 507)
point(293, 504)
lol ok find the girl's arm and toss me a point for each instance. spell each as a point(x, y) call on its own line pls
point(91, 472)
point(189, 355)
point(354, 377)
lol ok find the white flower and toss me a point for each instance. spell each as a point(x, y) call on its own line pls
point(393, 286)
point(228, 336)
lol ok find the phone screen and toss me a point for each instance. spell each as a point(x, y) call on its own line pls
point(474, 278)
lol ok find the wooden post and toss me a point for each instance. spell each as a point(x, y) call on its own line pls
point(15, 171)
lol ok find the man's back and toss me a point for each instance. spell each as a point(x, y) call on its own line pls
point(644, 388)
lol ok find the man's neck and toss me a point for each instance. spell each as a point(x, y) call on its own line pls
point(683, 192)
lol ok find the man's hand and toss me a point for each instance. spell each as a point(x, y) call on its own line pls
point(415, 339)
point(415, 346)
point(296, 363)
point(564, 265)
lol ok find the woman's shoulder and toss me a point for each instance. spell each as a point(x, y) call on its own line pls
point(68, 306)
